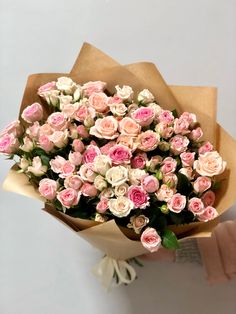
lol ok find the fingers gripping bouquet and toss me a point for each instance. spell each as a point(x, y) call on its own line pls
point(112, 159)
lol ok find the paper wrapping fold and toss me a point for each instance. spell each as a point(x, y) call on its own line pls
point(92, 64)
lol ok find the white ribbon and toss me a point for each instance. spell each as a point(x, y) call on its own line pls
point(108, 268)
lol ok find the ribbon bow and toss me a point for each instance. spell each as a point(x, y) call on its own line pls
point(109, 268)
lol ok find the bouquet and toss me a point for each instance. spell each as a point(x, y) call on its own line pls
point(114, 162)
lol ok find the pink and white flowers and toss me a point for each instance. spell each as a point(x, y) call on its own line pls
point(120, 156)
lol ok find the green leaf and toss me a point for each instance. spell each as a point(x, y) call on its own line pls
point(45, 160)
point(175, 113)
point(183, 186)
point(169, 240)
point(216, 185)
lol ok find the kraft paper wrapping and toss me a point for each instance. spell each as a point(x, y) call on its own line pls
point(92, 64)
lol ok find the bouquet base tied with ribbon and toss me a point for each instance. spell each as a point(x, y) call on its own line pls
point(124, 160)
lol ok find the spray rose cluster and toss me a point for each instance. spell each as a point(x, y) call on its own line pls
point(121, 156)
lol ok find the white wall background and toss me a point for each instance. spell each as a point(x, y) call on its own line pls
point(45, 268)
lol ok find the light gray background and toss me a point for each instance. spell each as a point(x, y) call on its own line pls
point(45, 268)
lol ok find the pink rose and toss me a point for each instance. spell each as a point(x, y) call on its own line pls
point(99, 101)
point(207, 147)
point(45, 129)
point(177, 203)
point(139, 161)
point(46, 88)
point(187, 159)
point(105, 128)
point(93, 87)
point(181, 126)
point(75, 158)
point(148, 140)
point(119, 154)
point(189, 117)
point(45, 143)
point(150, 239)
point(37, 168)
point(13, 128)
point(178, 144)
point(208, 198)
point(90, 153)
point(9, 144)
point(89, 189)
point(138, 196)
point(57, 121)
point(32, 113)
point(33, 130)
point(87, 173)
point(83, 111)
point(67, 169)
point(208, 214)
point(201, 184)
point(143, 116)
point(196, 134)
point(57, 164)
point(164, 193)
point(78, 145)
point(48, 188)
point(150, 184)
point(106, 148)
point(102, 206)
point(73, 181)
point(169, 165)
point(68, 197)
point(196, 206)
point(166, 116)
point(164, 129)
point(114, 100)
point(209, 164)
point(68, 110)
point(59, 138)
point(82, 131)
point(129, 127)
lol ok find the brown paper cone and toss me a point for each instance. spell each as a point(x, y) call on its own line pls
point(92, 64)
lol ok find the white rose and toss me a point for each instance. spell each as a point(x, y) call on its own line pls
point(135, 176)
point(107, 193)
point(187, 171)
point(209, 164)
point(100, 183)
point(121, 190)
point(145, 96)
point(24, 163)
point(28, 145)
point(117, 175)
point(120, 206)
point(125, 93)
point(100, 218)
point(37, 167)
point(138, 222)
point(118, 109)
point(157, 109)
point(64, 101)
point(77, 93)
point(102, 163)
point(65, 84)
